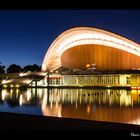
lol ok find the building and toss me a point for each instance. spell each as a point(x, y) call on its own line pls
point(83, 57)
point(94, 57)
point(77, 47)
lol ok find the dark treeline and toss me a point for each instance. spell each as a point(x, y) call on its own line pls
point(13, 68)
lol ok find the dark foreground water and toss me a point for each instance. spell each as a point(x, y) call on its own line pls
point(102, 105)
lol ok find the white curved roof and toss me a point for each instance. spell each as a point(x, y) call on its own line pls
point(85, 35)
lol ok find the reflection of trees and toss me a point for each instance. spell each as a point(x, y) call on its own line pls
point(114, 98)
point(1, 102)
point(13, 99)
point(12, 103)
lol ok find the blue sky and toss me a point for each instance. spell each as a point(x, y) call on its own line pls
point(25, 35)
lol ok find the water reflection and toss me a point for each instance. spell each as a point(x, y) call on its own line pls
point(102, 105)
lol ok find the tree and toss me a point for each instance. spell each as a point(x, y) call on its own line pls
point(2, 69)
point(32, 68)
point(36, 67)
point(14, 68)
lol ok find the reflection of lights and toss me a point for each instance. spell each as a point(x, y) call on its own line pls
point(125, 99)
point(80, 99)
point(45, 98)
point(52, 111)
point(56, 104)
point(135, 97)
point(88, 109)
point(17, 86)
point(51, 105)
point(39, 93)
point(3, 94)
point(17, 91)
point(108, 91)
point(28, 95)
point(52, 99)
point(110, 101)
point(76, 105)
point(63, 100)
point(71, 99)
point(59, 113)
point(133, 91)
point(11, 91)
point(99, 100)
point(138, 91)
point(136, 121)
point(20, 100)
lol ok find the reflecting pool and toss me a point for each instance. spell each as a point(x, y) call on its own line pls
point(90, 104)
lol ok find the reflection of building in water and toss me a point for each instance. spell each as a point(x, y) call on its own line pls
point(73, 96)
point(101, 105)
point(16, 97)
point(50, 104)
point(99, 97)
point(101, 50)
point(135, 96)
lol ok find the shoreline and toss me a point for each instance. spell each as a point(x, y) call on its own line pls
point(22, 121)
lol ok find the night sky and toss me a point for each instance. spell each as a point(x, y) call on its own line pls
point(25, 35)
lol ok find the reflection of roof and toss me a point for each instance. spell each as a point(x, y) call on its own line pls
point(85, 35)
point(54, 111)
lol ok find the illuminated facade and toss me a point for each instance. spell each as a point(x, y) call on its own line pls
point(83, 48)
point(79, 46)
point(104, 80)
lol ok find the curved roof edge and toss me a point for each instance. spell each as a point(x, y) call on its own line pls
point(85, 35)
